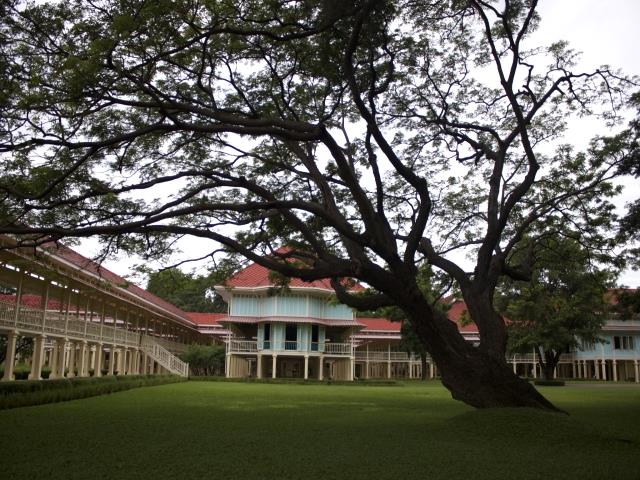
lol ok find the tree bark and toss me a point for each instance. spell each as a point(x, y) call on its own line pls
point(478, 376)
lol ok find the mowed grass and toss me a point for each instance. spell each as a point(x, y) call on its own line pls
point(223, 430)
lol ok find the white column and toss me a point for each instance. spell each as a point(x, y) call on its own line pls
point(273, 365)
point(53, 360)
point(321, 369)
point(574, 370)
point(615, 370)
point(306, 367)
point(259, 366)
point(112, 360)
point(10, 360)
point(83, 368)
point(604, 369)
point(59, 371)
point(130, 363)
point(72, 360)
point(97, 368)
point(637, 370)
point(431, 369)
point(38, 357)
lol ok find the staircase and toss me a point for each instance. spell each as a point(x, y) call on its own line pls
point(164, 357)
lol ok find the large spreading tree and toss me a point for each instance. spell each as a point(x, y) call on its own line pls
point(366, 136)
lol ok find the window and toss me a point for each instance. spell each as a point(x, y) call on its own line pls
point(267, 336)
point(588, 346)
point(624, 342)
point(314, 337)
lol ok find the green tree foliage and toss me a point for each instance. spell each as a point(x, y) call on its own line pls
point(24, 347)
point(629, 140)
point(563, 305)
point(626, 302)
point(190, 292)
point(369, 136)
point(205, 359)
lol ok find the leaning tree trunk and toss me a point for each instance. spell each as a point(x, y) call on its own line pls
point(478, 376)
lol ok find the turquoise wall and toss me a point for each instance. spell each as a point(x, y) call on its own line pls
point(278, 337)
point(608, 348)
point(289, 305)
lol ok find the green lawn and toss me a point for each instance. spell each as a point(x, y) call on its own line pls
point(224, 430)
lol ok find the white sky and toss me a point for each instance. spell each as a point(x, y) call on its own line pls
point(606, 31)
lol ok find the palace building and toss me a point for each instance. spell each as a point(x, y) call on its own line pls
point(84, 319)
point(301, 332)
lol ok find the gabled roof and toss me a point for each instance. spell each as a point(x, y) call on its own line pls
point(255, 276)
point(209, 319)
point(455, 313)
point(378, 325)
point(61, 256)
point(89, 265)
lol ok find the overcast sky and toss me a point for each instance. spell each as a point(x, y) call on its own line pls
point(606, 31)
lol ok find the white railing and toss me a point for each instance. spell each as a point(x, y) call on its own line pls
point(164, 357)
point(171, 345)
point(531, 358)
point(386, 356)
point(252, 346)
point(243, 346)
point(30, 320)
point(338, 348)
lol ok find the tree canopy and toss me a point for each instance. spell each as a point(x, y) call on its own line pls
point(562, 307)
point(190, 292)
point(367, 136)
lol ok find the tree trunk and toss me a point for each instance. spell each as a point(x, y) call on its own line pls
point(423, 364)
point(478, 376)
point(549, 361)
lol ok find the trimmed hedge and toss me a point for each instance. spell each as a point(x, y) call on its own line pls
point(38, 392)
point(298, 381)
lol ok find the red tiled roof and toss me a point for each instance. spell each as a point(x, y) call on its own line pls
point(256, 275)
point(84, 263)
point(379, 324)
point(455, 312)
point(206, 318)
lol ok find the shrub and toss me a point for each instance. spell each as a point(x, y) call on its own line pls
point(205, 360)
point(38, 392)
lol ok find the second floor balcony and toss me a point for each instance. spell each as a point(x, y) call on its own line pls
point(289, 347)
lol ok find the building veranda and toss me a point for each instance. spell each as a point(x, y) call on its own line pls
point(85, 320)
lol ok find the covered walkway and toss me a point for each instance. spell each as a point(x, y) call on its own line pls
point(84, 319)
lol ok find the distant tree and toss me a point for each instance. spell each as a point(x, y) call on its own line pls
point(627, 302)
point(629, 140)
point(563, 304)
point(24, 347)
point(192, 293)
point(205, 359)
